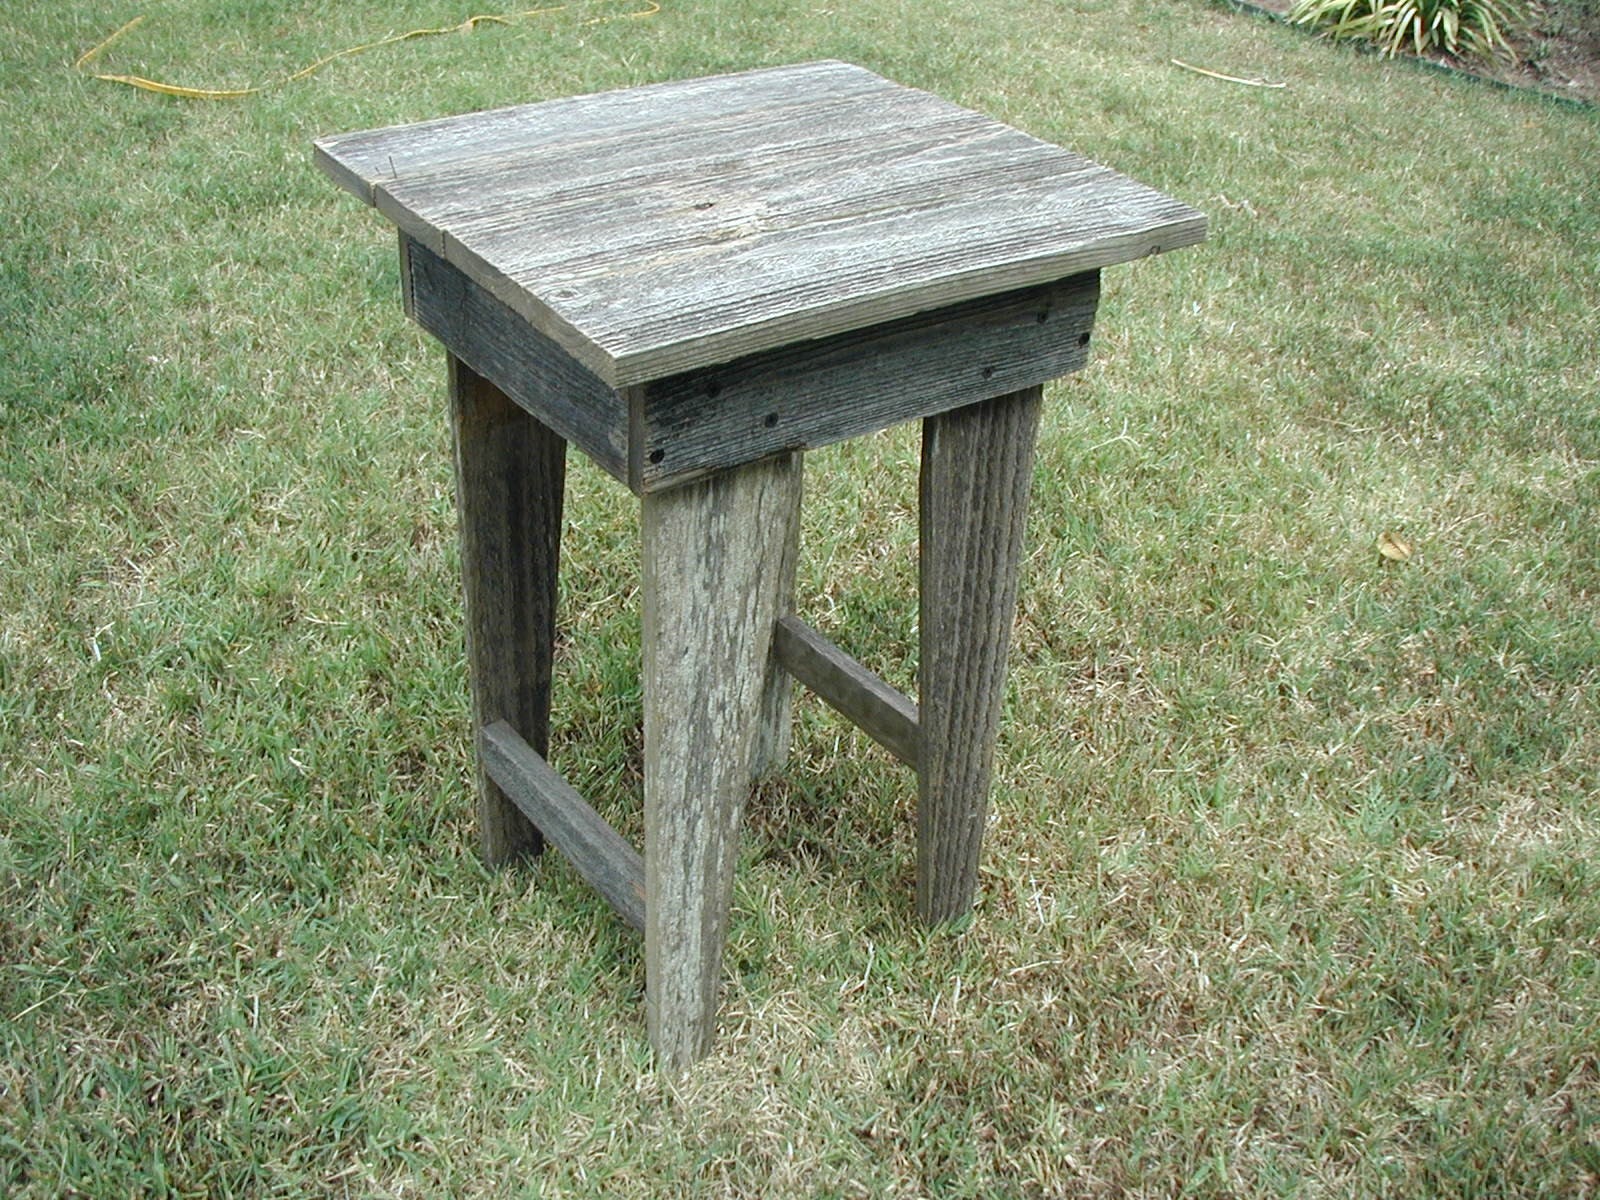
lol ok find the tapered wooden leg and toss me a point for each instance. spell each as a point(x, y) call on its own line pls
point(773, 730)
point(510, 471)
point(713, 557)
point(977, 463)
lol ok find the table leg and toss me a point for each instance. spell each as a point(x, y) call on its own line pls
point(713, 556)
point(977, 463)
point(774, 727)
point(510, 471)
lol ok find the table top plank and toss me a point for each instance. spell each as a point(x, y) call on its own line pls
point(459, 145)
point(670, 227)
point(688, 165)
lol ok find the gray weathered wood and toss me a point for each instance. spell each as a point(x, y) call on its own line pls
point(977, 463)
point(879, 710)
point(510, 472)
point(798, 397)
point(356, 160)
point(712, 553)
point(824, 391)
point(774, 725)
point(694, 281)
point(665, 229)
point(530, 368)
point(600, 854)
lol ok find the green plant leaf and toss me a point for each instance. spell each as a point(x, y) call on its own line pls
point(1462, 28)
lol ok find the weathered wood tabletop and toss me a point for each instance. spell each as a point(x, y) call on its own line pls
point(664, 228)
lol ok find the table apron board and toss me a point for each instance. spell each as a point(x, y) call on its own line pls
point(662, 433)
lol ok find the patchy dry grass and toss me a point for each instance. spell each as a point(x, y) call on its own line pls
point(1291, 886)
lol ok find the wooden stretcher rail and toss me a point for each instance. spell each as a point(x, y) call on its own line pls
point(599, 853)
point(884, 714)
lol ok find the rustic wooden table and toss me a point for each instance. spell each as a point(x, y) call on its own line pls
point(693, 282)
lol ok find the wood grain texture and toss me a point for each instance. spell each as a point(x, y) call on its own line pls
point(977, 463)
point(510, 475)
point(668, 228)
point(808, 395)
point(415, 149)
point(712, 557)
point(599, 854)
point(774, 724)
point(819, 392)
point(519, 360)
point(882, 712)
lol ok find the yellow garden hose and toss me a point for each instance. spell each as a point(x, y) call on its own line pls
point(191, 93)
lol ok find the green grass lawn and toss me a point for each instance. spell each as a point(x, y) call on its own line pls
point(1292, 886)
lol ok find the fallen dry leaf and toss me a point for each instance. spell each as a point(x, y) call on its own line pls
point(1393, 547)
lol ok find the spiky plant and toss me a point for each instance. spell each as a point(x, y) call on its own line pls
point(1461, 28)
